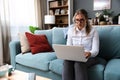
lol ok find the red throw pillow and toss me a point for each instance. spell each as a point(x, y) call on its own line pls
point(38, 43)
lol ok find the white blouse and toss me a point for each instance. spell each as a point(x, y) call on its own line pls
point(79, 38)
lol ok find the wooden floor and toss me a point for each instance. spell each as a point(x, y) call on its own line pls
point(20, 75)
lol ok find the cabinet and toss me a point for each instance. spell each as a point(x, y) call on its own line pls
point(62, 10)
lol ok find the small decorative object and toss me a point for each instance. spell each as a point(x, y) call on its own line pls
point(98, 14)
point(96, 21)
point(51, 12)
point(62, 11)
point(102, 20)
point(57, 11)
point(110, 21)
point(103, 23)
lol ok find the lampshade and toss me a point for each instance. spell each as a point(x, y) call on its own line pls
point(49, 19)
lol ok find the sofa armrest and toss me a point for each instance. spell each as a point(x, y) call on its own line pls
point(15, 49)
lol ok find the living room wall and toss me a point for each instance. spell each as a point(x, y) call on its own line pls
point(88, 5)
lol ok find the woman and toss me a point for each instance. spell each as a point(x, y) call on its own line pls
point(82, 34)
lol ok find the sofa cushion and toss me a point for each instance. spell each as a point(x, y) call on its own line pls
point(96, 72)
point(56, 66)
point(39, 61)
point(112, 70)
point(25, 47)
point(48, 34)
point(58, 36)
point(109, 42)
point(38, 43)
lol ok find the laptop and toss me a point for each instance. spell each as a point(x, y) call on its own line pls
point(73, 53)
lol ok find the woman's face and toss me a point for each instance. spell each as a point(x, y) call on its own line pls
point(80, 21)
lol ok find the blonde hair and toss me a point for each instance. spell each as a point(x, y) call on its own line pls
point(83, 12)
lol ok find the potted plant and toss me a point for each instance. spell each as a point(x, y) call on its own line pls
point(107, 12)
point(104, 17)
point(33, 28)
point(102, 20)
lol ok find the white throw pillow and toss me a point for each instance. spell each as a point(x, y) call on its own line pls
point(24, 43)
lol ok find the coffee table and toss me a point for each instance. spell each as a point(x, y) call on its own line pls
point(20, 75)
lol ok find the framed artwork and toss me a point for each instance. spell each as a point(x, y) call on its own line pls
point(101, 4)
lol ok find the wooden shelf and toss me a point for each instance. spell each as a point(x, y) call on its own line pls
point(62, 15)
point(61, 10)
point(64, 6)
point(61, 23)
point(105, 25)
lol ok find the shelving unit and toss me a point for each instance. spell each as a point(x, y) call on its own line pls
point(62, 10)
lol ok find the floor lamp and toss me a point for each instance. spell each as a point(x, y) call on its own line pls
point(49, 19)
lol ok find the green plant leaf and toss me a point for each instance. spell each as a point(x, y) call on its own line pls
point(107, 12)
point(33, 28)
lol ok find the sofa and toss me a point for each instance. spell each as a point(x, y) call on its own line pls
point(48, 65)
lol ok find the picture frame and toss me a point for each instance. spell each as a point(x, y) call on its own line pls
point(101, 4)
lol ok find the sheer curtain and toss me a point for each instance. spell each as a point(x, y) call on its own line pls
point(40, 11)
point(22, 14)
point(4, 31)
point(1, 47)
point(15, 17)
point(26, 12)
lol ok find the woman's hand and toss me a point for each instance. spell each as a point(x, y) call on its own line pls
point(87, 54)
